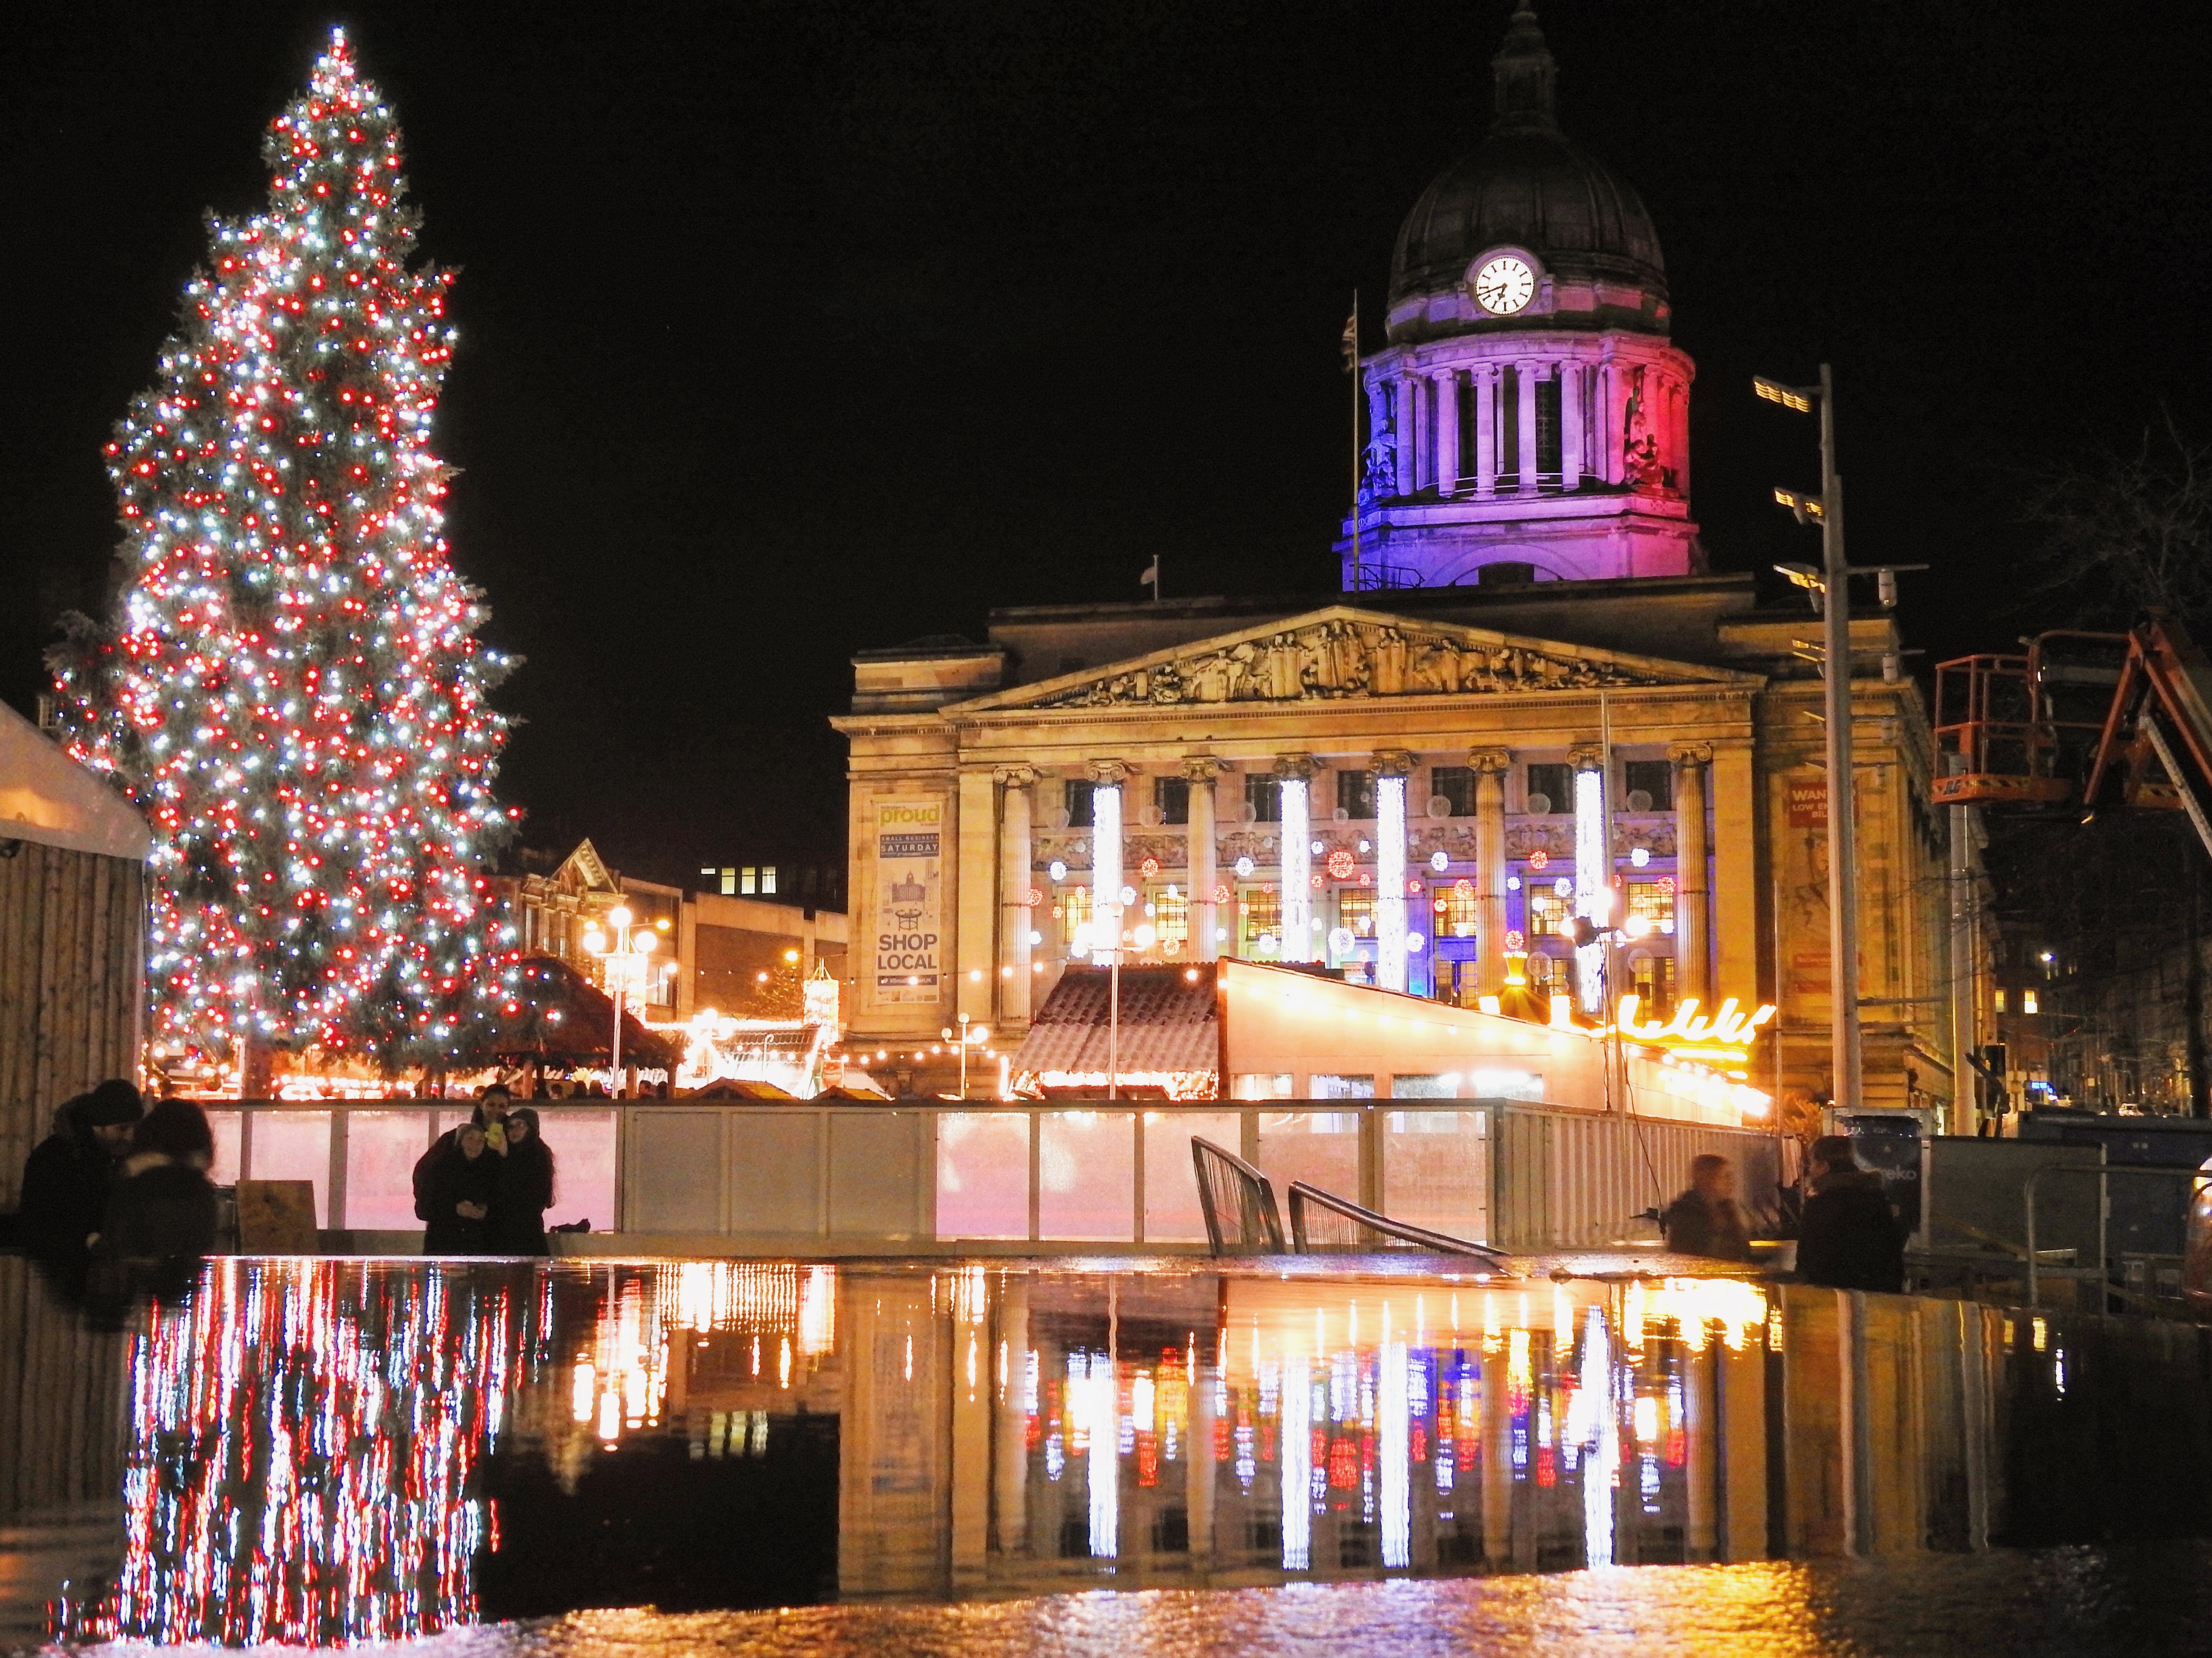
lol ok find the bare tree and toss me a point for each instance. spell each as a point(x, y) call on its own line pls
point(2124, 533)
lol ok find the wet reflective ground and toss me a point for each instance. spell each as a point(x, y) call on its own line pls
point(328, 1451)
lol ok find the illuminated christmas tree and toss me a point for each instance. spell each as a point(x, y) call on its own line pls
point(290, 689)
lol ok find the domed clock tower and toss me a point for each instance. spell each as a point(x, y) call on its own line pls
point(1529, 418)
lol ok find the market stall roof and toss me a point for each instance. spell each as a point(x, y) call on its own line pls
point(566, 1019)
point(46, 797)
point(1168, 1023)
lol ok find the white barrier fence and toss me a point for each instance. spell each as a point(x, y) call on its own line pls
point(988, 1173)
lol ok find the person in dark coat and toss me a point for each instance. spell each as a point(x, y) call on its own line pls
point(454, 1187)
point(1849, 1238)
point(67, 1180)
point(1706, 1220)
point(525, 1188)
point(160, 1222)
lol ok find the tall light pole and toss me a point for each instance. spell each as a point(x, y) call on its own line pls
point(1831, 592)
point(624, 957)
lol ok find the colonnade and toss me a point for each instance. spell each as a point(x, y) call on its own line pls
point(1447, 423)
point(1001, 901)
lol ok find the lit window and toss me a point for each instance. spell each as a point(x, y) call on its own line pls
point(768, 878)
point(1457, 918)
point(1324, 1086)
point(2028, 1001)
point(729, 883)
point(1355, 912)
point(1550, 915)
point(1260, 916)
point(1261, 1085)
point(748, 879)
point(1169, 908)
point(1652, 900)
point(1074, 908)
point(1653, 983)
point(2000, 998)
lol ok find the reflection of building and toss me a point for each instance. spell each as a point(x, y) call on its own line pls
point(1023, 1432)
point(1532, 700)
point(742, 955)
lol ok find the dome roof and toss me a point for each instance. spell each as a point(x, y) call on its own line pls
point(1526, 186)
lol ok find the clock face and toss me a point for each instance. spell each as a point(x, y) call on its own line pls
point(1505, 284)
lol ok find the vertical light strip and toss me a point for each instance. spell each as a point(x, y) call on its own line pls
point(1593, 871)
point(1297, 1461)
point(1597, 1428)
point(1390, 883)
point(1106, 862)
point(1296, 836)
point(1105, 1463)
point(1393, 1452)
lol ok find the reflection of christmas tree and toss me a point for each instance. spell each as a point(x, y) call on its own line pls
point(291, 690)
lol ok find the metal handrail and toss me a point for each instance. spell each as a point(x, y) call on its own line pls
point(1304, 1197)
point(2027, 1200)
point(1252, 1193)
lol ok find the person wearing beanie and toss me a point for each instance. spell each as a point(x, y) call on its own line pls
point(160, 1223)
point(68, 1177)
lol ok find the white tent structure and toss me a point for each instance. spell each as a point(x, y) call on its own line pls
point(72, 935)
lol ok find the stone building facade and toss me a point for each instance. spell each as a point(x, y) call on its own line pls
point(1532, 701)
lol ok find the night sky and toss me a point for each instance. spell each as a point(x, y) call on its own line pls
point(791, 329)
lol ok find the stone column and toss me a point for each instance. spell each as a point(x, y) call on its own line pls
point(1294, 855)
point(1485, 429)
point(1490, 766)
point(1392, 768)
point(1447, 386)
point(1526, 385)
point(1680, 460)
point(974, 912)
point(1570, 425)
point(1607, 424)
point(1201, 769)
point(1692, 941)
point(1425, 430)
point(1409, 462)
point(1016, 916)
point(1735, 874)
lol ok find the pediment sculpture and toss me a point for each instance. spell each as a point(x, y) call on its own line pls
point(1342, 658)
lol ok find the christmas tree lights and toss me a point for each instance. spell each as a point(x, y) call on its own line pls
point(291, 690)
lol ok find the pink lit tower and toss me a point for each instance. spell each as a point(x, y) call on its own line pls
point(1529, 419)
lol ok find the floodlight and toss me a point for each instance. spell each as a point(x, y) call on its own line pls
point(1788, 396)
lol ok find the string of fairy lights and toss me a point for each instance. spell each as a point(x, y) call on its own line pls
point(291, 691)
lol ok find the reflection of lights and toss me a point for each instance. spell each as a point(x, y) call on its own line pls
point(306, 1433)
point(1393, 1447)
point(1296, 1417)
point(1647, 1420)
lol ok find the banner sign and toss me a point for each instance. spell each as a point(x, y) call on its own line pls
point(909, 900)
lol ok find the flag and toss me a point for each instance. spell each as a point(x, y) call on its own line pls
point(1151, 576)
point(1352, 339)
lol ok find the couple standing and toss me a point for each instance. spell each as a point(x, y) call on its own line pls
point(484, 1188)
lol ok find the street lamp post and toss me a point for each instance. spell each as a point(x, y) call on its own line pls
point(624, 956)
point(967, 1038)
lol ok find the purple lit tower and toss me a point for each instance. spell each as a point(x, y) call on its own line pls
point(1529, 419)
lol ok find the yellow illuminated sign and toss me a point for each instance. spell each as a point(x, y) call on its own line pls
point(1723, 1038)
